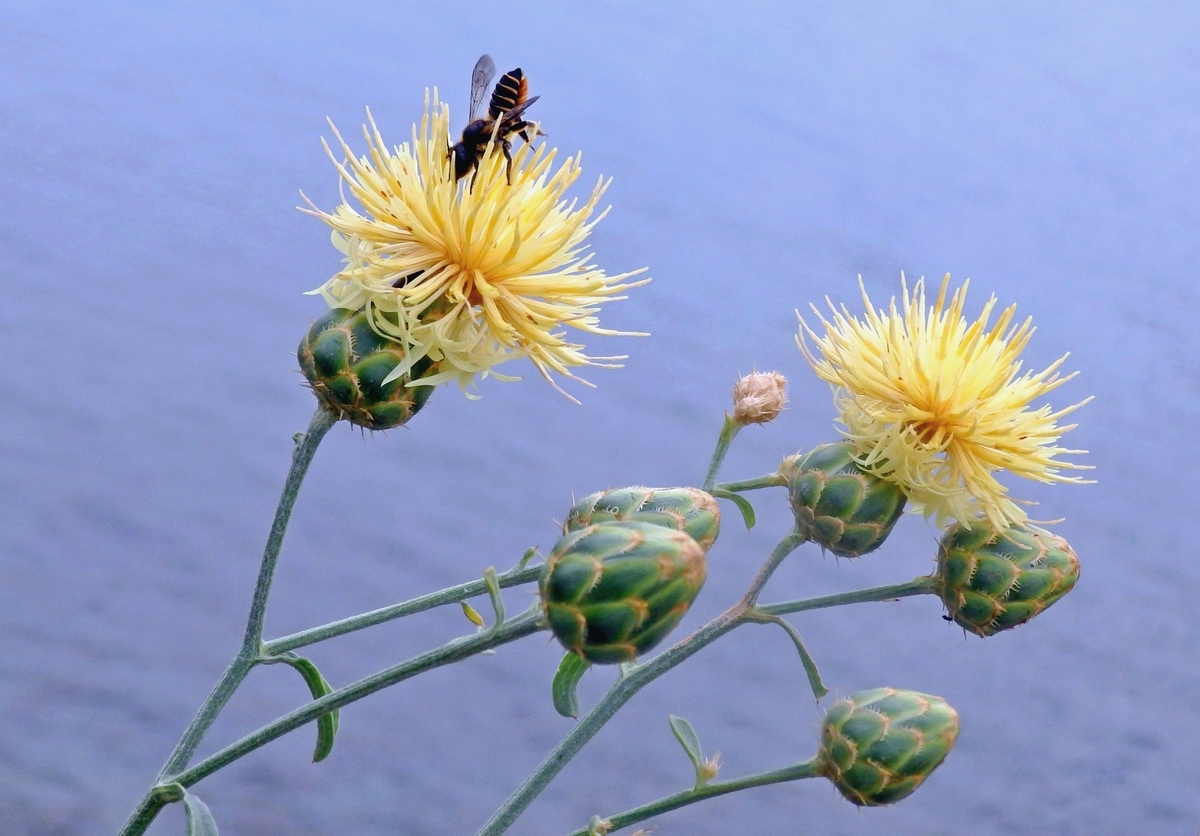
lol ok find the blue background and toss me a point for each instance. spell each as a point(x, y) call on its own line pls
point(763, 156)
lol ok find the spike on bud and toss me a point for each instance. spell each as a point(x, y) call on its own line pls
point(991, 581)
point(759, 397)
point(837, 504)
point(878, 746)
point(346, 363)
point(614, 590)
point(686, 509)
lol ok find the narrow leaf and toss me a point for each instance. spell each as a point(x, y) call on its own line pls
point(200, 821)
point(327, 724)
point(741, 502)
point(529, 555)
point(493, 586)
point(810, 667)
point(474, 617)
point(687, 738)
point(570, 670)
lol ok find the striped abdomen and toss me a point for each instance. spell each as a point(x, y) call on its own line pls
point(510, 91)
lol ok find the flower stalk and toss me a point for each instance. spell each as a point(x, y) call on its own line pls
point(796, 772)
point(250, 652)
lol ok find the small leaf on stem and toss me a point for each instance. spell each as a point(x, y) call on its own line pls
point(687, 738)
point(200, 821)
point(327, 724)
point(570, 670)
point(472, 616)
point(530, 554)
point(741, 502)
point(493, 586)
point(810, 667)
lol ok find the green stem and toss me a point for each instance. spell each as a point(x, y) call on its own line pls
point(638, 677)
point(302, 454)
point(808, 769)
point(786, 546)
point(924, 585)
point(729, 430)
point(523, 625)
point(770, 480)
point(450, 595)
point(322, 420)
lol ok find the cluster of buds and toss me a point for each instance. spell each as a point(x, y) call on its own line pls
point(627, 570)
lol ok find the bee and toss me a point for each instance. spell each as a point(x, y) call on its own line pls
point(510, 99)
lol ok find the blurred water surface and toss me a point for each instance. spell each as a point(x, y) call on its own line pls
point(763, 156)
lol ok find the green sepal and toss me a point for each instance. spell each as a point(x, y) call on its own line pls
point(742, 504)
point(200, 821)
point(570, 670)
point(690, 741)
point(327, 724)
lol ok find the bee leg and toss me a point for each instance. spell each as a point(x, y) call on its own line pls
point(506, 146)
point(474, 177)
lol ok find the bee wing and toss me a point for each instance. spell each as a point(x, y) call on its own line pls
point(481, 77)
point(513, 115)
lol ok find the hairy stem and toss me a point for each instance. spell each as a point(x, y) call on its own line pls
point(527, 623)
point(729, 430)
point(302, 454)
point(808, 769)
point(450, 595)
point(770, 480)
point(786, 546)
point(322, 420)
point(924, 585)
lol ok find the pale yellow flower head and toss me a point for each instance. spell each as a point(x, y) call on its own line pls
point(938, 405)
point(469, 275)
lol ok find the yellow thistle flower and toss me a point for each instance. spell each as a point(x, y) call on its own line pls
point(934, 403)
point(470, 274)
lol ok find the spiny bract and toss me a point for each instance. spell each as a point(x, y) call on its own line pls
point(614, 590)
point(993, 580)
point(837, 504)
point(686, 509)
point(878, 746)
point(347, 364)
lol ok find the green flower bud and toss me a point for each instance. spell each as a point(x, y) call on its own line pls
point(616, 589)
point(992, 581)
point(685, 509)
point(878, 746)
point(837, 504)
point(346, 362)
